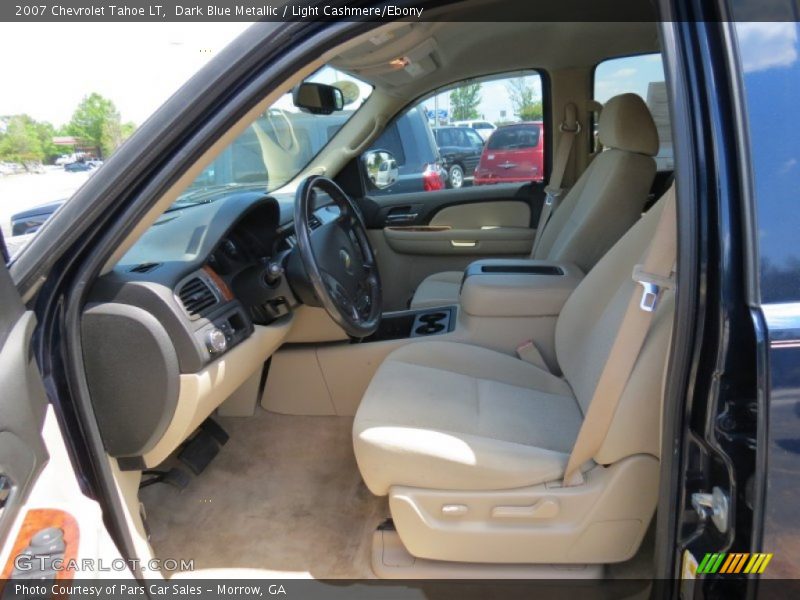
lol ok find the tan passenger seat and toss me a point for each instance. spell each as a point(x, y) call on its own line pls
point(471, 445)
point(606, 200)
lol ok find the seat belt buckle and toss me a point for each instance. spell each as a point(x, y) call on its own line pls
point(652, 286)
point(649, 296)
point(528, 352)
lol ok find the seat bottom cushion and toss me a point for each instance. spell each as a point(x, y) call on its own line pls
point(452, 416)
point(439, 289)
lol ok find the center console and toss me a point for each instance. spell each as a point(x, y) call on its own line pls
point(517, 288)
point(415, 323)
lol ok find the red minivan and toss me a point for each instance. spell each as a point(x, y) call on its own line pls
point(513, 153)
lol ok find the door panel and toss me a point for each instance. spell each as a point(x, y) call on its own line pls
point(418, 234)
point(419, 208)
point(22, 405)
point(482, 215)
point(498, 241)
point(39, 486)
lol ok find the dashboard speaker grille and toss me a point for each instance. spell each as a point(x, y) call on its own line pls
point(196, 296)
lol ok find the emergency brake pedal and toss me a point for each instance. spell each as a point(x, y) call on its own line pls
point(198, 453)
point(175, 477)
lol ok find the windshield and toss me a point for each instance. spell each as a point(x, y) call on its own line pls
point(279, 144)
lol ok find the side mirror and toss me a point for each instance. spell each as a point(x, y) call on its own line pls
point(318, 98)
point(381, 168)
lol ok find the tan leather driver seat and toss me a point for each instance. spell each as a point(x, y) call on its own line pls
point(471, 444)
point(606, 200)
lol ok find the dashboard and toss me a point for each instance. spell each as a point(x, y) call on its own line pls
point(186, 314)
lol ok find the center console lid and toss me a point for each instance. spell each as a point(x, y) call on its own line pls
point(517, 288)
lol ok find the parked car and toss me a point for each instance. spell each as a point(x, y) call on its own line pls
point(460, 149)
point(11, 168)
point(387, 172)
point(410, 140)
point(77, 166)
point(29, 221)
point(484, 128)
point(513, 153)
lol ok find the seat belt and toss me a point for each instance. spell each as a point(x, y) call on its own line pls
point(569, 128)
point(654, 275)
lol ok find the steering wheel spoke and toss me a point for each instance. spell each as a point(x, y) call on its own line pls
point(339, 262)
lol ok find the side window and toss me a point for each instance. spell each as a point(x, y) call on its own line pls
point(642, 75)
point(435, 141)
point(473, 139)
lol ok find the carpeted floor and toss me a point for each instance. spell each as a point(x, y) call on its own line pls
point(284, 494)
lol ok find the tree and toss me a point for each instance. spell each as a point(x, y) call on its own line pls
point(20, 142)
point(96, 122)
point(46, 132)
point(464, 101)
point(523, 97)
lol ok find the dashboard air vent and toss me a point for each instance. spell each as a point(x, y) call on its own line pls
point(145, 267)
point(314, 222)
point(196, 296)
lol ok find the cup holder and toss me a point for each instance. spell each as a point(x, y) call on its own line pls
point(429, 329)
point(431, 318)
point(432, 323)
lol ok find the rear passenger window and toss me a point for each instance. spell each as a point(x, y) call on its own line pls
point(444, 140)
point(642, 75)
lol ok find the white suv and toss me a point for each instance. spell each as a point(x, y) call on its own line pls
point(484, 128)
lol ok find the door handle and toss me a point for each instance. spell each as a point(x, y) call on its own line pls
point(401, 217)
point(463, 243)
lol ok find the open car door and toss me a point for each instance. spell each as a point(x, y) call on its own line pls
point(49, 529)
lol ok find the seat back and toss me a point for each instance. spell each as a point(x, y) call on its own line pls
point(609, 196)
point(586, 330)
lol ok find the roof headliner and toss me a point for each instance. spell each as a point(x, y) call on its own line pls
point(444, 52)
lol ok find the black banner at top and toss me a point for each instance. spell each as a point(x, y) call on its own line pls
point(359, 10)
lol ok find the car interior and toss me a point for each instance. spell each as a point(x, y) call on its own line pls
point(308, 379)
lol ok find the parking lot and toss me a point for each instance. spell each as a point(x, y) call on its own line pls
point(26, 190)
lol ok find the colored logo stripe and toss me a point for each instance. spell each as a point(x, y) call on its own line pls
point(735, 562)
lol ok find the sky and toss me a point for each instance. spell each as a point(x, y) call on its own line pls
point(137, 67)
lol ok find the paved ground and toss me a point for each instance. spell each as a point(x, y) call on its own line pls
point(20, 192)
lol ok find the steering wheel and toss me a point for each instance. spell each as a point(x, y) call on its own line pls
point(339, 259)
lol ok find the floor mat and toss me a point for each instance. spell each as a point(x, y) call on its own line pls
point(284, 494)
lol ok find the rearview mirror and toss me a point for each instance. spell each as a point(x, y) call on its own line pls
point(318, 98)
point(381, 167)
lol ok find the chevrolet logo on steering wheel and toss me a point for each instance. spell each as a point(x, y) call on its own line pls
point(348, 262)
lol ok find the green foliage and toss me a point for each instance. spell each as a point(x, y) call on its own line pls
point(523, 97)
point(464, 101)
point(20, 142)
point(95, 122)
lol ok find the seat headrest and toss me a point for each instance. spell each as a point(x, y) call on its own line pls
point(626, 124)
